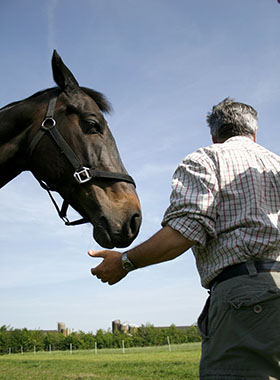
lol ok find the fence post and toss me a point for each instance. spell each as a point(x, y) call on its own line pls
point(70, 348)
point(169, 346)
point(123, 349)
point(95, 348)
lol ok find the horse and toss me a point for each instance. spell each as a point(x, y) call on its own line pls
point(61, 136)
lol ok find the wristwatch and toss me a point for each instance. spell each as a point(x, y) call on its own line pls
point(126, 263)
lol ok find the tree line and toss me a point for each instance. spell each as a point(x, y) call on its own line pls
point(24, 340)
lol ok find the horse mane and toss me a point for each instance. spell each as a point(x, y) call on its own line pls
point(100, 99)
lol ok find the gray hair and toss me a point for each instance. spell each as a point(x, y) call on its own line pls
point(230, 118)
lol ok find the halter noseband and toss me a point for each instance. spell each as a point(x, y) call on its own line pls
point(82, 174)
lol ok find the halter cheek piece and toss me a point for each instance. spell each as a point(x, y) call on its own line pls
point(82, 174)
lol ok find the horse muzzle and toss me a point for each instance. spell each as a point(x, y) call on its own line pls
point(115, 234)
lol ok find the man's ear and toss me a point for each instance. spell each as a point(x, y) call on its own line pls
point(214, 140)
point(255, 136)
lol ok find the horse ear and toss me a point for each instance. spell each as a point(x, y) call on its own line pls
point(62, 75)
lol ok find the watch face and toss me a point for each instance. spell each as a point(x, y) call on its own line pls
point(127, 265)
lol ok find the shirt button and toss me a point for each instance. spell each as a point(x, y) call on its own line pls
point(257, 309)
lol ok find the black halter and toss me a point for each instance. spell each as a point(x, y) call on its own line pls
point(82, 174)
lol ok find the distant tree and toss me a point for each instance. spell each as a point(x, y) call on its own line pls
point(119, 337)
point(145, 335)
point(148, 333)
point(36, 340)
point(20, 340)
point(193, 334)
point(88, 340)
point(99, 336)
point(4, 339)
point(75, 340)
point(55, 339)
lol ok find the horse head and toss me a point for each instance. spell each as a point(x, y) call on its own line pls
point(100, 190)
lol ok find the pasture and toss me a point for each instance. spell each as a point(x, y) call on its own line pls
point(149, 363)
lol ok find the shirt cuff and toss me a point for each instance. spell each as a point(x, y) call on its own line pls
point(190, 229)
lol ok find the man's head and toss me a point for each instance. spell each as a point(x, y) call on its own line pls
point(230, 118)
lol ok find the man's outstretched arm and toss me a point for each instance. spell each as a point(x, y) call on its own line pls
point(165, 245)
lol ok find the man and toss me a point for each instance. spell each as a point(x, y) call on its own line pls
point(225, 204)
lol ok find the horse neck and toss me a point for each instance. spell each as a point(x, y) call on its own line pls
point(13, 135)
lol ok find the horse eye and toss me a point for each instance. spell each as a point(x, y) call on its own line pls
point(92, 126)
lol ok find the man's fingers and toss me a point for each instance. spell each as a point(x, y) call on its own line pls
point(95, 271)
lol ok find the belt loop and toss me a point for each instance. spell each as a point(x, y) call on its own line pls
point(250, 265)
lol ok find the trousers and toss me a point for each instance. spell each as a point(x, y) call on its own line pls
point(240, 329)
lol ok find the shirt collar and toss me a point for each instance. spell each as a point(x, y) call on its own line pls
point(238, 138)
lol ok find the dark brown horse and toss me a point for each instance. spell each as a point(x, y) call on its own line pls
point(62, 137)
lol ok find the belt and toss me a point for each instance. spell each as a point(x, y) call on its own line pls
point(240, 269)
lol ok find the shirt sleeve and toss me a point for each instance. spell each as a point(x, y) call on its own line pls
point(193, 200)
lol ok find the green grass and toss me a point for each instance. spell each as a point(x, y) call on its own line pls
point(149, 363)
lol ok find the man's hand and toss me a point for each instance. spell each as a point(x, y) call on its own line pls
point(110, 270)
point(165, 245)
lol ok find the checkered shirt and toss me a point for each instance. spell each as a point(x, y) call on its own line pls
point(226, 198)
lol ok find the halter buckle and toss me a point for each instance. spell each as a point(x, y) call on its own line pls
point(83, 175)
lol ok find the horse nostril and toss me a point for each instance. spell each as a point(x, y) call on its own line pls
point(134, 224)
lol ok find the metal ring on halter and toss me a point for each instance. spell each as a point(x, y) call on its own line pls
point(50, 121)
point(65, 220)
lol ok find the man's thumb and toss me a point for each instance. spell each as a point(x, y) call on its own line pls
point(97, 253)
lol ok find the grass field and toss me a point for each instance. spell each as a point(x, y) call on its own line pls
point(153, 363)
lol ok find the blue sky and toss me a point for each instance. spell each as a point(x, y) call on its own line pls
point(163, 64)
